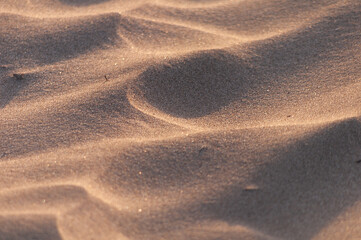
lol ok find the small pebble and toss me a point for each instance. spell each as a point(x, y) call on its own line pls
point(18, 76)
point(203, 150)
point(251, 187)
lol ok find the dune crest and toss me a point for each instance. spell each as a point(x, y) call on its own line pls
point(141, 120)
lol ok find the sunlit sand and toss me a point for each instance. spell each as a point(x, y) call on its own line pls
point(218, 119)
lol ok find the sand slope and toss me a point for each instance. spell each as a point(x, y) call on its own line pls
point(219, 119)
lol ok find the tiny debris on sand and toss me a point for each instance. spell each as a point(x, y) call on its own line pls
point(203, 150)
point(251, 187)
point(18, 76)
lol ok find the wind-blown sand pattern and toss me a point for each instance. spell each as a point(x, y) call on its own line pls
point(219, 119)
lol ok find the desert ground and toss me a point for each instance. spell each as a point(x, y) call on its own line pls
point(177, 120)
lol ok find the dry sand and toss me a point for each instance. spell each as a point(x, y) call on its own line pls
point(217, 119)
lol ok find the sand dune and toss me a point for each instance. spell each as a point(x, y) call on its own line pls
point(222, 119)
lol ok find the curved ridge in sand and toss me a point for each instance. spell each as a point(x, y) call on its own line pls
point(180, 120)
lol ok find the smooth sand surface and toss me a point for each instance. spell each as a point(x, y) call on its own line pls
point(167, 119)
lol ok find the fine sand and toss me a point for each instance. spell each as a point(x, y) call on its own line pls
point(169, 119)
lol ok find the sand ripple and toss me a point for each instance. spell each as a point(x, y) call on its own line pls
point(180, 120)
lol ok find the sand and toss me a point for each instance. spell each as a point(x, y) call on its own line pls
point(166, 119)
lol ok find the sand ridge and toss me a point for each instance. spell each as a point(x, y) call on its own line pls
point(222, 119)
